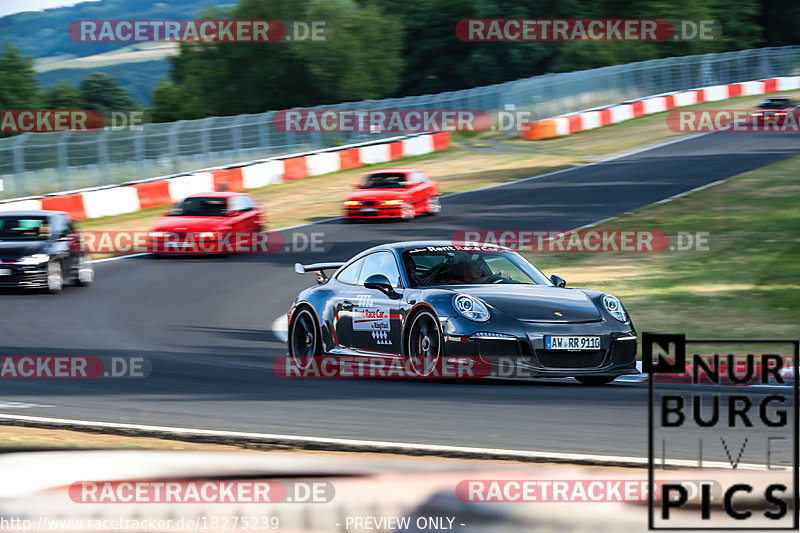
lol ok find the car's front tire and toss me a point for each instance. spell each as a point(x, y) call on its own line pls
point(304, 337)
point(55, 277)
point(595, 380)
point(423, 343)
point(407, 212)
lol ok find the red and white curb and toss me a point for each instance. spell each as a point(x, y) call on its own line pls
point(595, 118)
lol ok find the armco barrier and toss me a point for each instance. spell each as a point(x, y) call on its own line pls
point(132, 197)
point(589, 119)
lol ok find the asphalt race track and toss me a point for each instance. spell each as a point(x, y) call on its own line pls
point(205, 324)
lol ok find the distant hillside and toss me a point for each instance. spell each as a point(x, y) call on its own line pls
point(44, 33)
point(138, 79)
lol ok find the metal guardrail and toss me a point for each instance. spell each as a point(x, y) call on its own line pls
point(39, 163)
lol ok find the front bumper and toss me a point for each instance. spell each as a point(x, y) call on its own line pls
point(373, 212)
point(185, 246)
point(522, 353)
point(23, 276)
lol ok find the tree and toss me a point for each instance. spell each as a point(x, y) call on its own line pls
point(18, 86)
point(361, 60)
point(64, 95)
point(103, 93)
point(167, 102)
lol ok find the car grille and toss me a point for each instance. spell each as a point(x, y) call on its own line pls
point(559, 359)
point(494, 350)
point(33, 278)
point(368, 203)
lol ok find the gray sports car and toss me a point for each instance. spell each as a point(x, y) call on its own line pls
point(426, 302)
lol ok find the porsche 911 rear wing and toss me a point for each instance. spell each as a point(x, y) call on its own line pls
point(318, 268)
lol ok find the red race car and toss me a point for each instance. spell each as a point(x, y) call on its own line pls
point(212, 222)
point(396, 193)
point(771, 108)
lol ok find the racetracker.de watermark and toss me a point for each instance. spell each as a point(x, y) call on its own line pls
point(199, 242)
point(567, 490)
point(734, 120)
point(558, 30)
point(204, 31)
point(379, 121)
point(624, 241)
point(203, 491)
point(73, 367)
point(50, 120)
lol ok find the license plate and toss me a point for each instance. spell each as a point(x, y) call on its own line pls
point(5, 271)
point(571, 343)
point(369, 211)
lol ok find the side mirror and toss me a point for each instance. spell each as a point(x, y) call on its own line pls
point(558, 281)
point(380, 282)
point(355, 185)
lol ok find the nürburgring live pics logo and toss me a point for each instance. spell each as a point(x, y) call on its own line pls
point(743, 404)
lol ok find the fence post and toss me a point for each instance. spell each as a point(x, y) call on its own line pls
point(19, 165)
point(63, 160)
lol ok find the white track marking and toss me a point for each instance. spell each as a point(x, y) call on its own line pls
point(280, 328)
point(21, 405)
point(366, 445)
point(118, 257)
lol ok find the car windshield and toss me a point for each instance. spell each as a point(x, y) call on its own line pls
point(385, 181)
point(456, 265)
point(201, 207)
point(775, 103)
point(24, 228)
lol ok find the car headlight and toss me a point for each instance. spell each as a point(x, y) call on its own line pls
point(614, 307)
point(208, 235)
point(392, 202)
point(158, 234)
point(35, 259)
point(470, 308)
point(350, 203)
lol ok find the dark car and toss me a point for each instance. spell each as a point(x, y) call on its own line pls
point(40, 250)
point(773, 107)
point(426, 301)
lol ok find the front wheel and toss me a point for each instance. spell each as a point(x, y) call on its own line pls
point(595, 380)
point(424, 344)
point(407, 212)
point(55, 277)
